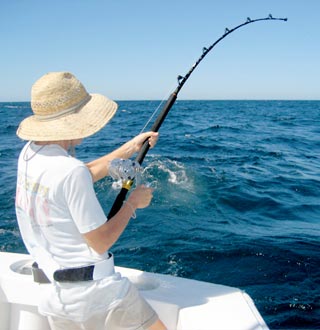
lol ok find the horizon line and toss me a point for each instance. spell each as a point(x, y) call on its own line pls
point(157, 100)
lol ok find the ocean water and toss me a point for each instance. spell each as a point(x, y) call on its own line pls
point(236, 201)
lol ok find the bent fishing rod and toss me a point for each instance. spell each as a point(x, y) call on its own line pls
point(126, 185)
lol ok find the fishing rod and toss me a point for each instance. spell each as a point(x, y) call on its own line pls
point(126, 185)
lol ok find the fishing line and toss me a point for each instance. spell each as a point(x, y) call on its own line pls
point(126, 186)
point(157, 109)
point(152, 115)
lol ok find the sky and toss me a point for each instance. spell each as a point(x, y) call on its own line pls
point(135, 49)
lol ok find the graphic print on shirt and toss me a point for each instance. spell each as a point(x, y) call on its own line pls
point(32, 201)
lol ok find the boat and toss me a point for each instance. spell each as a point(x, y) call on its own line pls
point(182, 304)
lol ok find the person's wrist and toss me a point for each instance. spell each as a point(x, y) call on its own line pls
point(133, 201)
point(132, 208)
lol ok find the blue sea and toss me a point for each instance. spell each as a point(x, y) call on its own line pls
point(236, 200)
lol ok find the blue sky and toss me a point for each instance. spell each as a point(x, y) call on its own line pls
point(135, 49)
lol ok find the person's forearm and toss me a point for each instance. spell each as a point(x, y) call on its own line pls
point(99, 167)
point(102, 238)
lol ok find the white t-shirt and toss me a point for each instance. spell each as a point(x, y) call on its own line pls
point(55, 204)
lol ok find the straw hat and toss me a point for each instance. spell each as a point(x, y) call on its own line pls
point(63, 110)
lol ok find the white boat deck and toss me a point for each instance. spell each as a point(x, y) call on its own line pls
point(182, 304)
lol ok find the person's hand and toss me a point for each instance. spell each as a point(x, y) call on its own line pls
point(141, 197)
point(138, 141)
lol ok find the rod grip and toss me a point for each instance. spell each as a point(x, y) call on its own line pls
point(117, 204)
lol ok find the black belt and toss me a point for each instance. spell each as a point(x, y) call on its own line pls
point(75, 274)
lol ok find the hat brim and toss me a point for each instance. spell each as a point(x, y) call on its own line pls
point(89, 119)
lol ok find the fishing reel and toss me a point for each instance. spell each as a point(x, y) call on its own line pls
point(124, 169)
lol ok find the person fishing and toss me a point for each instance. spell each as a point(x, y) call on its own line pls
point(62, 223)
